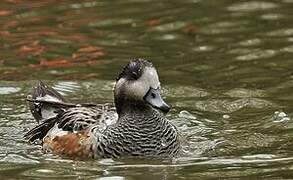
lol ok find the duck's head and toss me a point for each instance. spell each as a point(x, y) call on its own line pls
point(138, 85)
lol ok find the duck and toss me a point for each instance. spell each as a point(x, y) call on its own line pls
point(136, 127)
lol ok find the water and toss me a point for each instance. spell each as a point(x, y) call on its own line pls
point(225, 67)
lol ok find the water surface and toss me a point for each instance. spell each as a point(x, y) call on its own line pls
point(225, 67)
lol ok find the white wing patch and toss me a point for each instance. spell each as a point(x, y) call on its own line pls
point(48, 98)
point(55, 131)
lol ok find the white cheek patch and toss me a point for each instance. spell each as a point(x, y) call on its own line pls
point(150, 75)
point(137, 89)
point(149, 79)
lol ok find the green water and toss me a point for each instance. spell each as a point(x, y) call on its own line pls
point(225, 67)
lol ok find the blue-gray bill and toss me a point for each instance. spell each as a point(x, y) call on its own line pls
point(153, 97)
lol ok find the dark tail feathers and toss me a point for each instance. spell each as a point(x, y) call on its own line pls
point(43, 101)
point(40, 131)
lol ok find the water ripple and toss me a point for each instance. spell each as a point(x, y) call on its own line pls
point(8, 90)
point(226, 106)
point(281, 32)
point(252, 6)
point(251, 42)
point(257, 54)
point(18, 159)
point(272, 16)
point(242, 93)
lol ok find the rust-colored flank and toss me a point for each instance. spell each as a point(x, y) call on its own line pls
point(72, 145)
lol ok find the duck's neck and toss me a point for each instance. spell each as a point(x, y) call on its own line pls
point(136, 111)
point(134, 107)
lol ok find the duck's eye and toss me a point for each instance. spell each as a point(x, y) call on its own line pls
point(153, 95)
point(135, 75)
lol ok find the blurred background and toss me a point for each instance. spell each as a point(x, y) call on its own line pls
point(225, 67)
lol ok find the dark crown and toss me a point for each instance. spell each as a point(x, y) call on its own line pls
point(134, 69)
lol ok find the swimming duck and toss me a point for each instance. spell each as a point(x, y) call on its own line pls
point(139, 128)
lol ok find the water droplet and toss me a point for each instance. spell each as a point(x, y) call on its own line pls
point(226, 116)
point(250, 42)
point(282, 114)
point(45, 171)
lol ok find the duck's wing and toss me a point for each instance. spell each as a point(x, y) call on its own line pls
point(70, 132)
point(69, 120)
point(56, 115)
point(45, 102)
